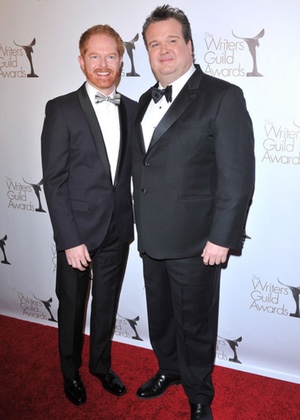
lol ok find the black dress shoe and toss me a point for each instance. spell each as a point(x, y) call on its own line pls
point(156, 386)
point(111, 382)
point(74, 390)
point(200, 412)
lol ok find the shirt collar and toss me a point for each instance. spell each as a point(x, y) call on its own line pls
point(178, 84)
point(92, 91)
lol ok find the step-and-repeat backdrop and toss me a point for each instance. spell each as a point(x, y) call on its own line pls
point(252, 44)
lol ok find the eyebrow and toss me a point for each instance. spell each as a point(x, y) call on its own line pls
point(97, 53)
point(168, 37)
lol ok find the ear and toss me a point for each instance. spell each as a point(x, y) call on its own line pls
point(81, 62)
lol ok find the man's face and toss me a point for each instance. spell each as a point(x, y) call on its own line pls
point(170, 57)
point(101, 62)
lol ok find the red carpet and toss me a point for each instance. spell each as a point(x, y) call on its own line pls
point(31, 385)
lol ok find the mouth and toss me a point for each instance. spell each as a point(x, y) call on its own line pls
point(102, 73)
point(165, 60)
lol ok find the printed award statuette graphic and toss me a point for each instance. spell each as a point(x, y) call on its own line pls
point(129, 46)
point(29, 51)
point(253, 43)
point(47, 305)
point(296, 295)
point(297, 125)
point(37, 191)
point(2, 247)
point(133, 324)
point(233, 344)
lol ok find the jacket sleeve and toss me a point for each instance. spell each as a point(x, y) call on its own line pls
point(55, 146)
point(234, 149)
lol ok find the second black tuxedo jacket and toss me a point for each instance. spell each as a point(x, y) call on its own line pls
point(80, 194)
point(196, 180)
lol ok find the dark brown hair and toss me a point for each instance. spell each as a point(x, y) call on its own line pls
point(166, 12)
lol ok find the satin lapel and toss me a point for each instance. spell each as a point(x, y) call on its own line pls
point(94, 127)
point(123, 140)
point(143, 105)
point(185, 98)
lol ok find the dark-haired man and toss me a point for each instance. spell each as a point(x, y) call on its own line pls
point(193, 171)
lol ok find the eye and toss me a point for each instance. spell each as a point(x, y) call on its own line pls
point(111, 57)
point(153, 45)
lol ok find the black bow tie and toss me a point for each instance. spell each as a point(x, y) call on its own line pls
point(114, 99)
point(157, 94)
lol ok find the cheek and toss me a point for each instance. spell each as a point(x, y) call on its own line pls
point(153, 59)
point(85, 67)
point(116, 68)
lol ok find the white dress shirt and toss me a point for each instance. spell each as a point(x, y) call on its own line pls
point(108, 118)
point(156, 111)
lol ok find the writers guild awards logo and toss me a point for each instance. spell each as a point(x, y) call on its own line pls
point(281, 143)
point(2, 246)
point(296, 295)
point(29, 51)
point(47, 305)
point(19, 195)
point(121, 324)
point(233, 344)
point(253, 43)
point(37, 190)
point(35, 308)
point(129, 46)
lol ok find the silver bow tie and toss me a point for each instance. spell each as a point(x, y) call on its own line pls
point(114, 99)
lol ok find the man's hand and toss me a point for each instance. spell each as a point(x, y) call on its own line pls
point(78, 257)
point(214, 254)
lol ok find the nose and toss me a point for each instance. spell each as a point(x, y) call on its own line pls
point(102, 61)
point(164, 48)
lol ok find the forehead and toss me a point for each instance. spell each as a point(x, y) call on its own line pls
point(101, 42)
point(164, 29)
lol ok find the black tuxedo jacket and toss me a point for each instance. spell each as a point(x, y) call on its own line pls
point(196, 180)
point(77, 180)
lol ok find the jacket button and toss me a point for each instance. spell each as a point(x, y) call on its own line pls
point(146, 164)
point(144, 191)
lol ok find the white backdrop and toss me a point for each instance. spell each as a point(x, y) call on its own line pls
point(259, 309)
